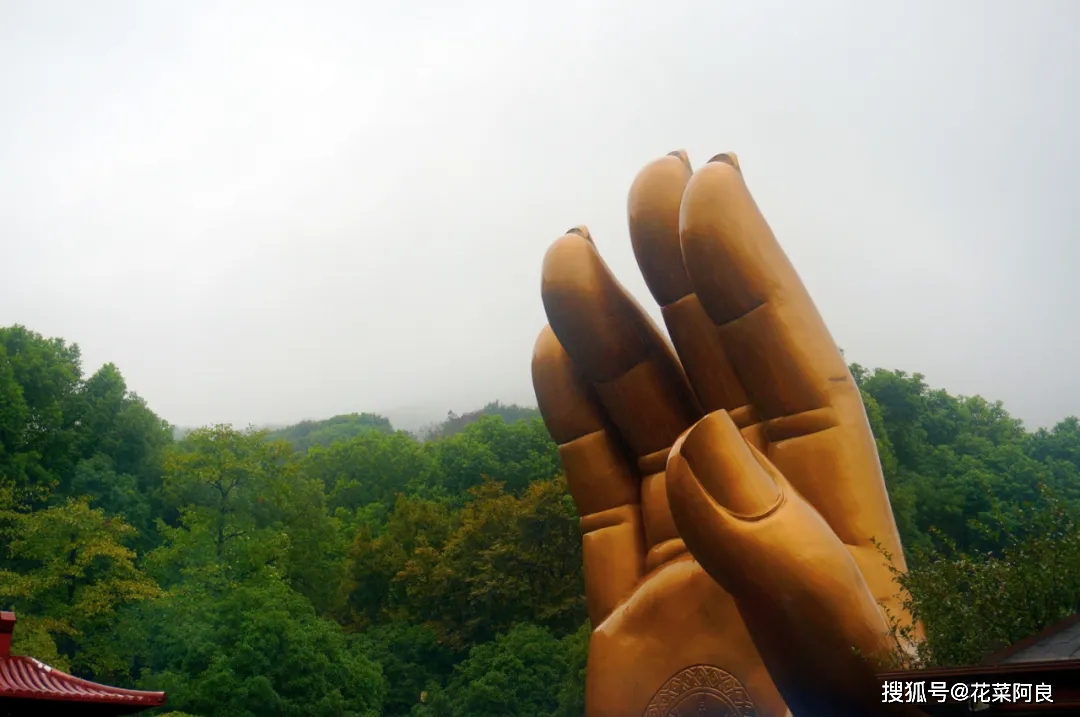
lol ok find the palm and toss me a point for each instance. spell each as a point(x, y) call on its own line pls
point(675, 629)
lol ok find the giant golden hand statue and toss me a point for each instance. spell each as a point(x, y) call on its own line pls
point(730, 491)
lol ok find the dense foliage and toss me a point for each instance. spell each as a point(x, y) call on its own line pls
point(342, 568)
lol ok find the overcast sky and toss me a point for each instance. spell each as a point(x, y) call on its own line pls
point(268, 211)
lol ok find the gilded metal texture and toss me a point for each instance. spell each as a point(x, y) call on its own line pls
point(733, 510)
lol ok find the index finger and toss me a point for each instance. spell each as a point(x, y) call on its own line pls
point(785, 359)
point(784, 356)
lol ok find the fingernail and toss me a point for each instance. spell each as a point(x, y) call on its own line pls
point(583, 232)
point(682, 155)
point(725, 466)
point(727, 158)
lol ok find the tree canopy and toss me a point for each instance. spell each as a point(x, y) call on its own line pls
point(343, 568)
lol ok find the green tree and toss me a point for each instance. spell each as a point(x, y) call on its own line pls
point(510, 559)
point(950, 460)
point(519, 674)
point(244, 504)
point(251, 649)
point(372, 467)
point(514, 454)
point(973, 603)
point(39, 411)
point(306, 434)
point(71, 575)
point(121, 444)
point(454, 423)
point(413, 662)
point(372, 589)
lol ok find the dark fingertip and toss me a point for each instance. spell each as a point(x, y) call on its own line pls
point(728, 158)
point(683, 156)
point(583, 232)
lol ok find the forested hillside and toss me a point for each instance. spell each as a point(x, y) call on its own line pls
point(342, 568)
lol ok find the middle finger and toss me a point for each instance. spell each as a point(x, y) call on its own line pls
point(653, 211)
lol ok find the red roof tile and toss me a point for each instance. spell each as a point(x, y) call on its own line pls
point(26, 678)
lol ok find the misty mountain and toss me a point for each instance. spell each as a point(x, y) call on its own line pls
point(424, 423)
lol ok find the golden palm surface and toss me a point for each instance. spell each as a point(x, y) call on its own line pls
point(728, 484)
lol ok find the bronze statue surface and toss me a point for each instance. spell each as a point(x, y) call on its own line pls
point(729, 486)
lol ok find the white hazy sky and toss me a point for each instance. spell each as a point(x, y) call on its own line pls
point(269, 211)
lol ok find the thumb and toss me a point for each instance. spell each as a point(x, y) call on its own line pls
point(804, 601)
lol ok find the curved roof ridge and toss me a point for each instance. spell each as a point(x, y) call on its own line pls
point(28, 678)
